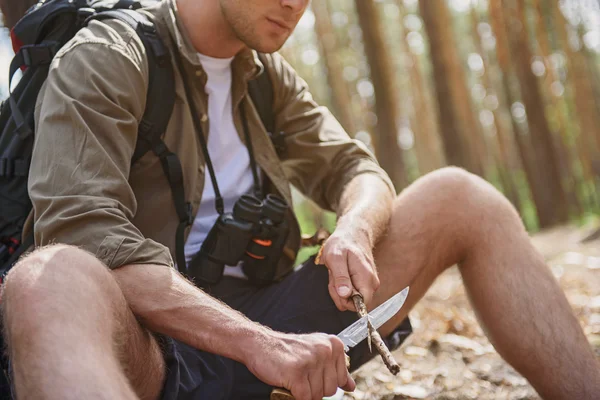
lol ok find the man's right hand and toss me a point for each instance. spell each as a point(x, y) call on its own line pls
point(310, 366)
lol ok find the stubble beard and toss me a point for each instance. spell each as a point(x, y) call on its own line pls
point(245, 31)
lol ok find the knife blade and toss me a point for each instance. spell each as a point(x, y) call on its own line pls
point(358, 331)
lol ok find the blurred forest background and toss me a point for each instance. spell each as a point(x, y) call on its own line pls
point(507, 89)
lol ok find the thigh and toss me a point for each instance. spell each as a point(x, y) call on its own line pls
point(97, 322)
point(142, 359)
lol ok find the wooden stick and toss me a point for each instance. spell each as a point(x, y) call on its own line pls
point(375, 338)
point(361, 309)
point(320, 236)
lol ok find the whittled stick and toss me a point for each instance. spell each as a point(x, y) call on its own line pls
point(320, 236)
point(375, 338)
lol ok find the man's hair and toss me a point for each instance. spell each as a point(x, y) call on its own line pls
point(13, 10)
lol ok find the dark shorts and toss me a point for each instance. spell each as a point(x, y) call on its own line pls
point(298, 304)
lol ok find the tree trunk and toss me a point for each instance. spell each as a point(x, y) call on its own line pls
point(594, 68)
point(340, 95)
point(563, 151)
point(504, 146)
point(551, 201)
point(13, 10)
point(386, 104)
point(508, 99)
point(589, 119)
point(428, 145)
point(454, 118)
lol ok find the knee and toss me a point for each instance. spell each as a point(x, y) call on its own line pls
point(51, 272)
point(444, 191)
point(462, 191)
point(463, 203)
point(454, 181)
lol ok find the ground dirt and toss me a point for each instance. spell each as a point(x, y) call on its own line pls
point(448, 357)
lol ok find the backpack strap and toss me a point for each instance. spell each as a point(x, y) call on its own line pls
point(159, 106)
point(261, 93)
point(160, 97)
point(26, 57)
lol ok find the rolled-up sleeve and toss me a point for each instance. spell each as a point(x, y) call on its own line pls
point(87, 119)
point(320, 157)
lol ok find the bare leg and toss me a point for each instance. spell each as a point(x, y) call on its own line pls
point(71, 334)
point(450, 217)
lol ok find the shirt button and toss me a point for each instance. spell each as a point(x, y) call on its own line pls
point(198, 72)
point(204, 118)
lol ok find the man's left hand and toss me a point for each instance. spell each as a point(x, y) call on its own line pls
point(348, 255)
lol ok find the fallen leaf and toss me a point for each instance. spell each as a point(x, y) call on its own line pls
point(382, 377)
point(357, 394)
point(406, 375)
point(411, 391)
point(415, 351)
point(593, 262)
point(452, 383)
point(461, 342)
point(594, 303)
point(594, 340)
point(574, 258)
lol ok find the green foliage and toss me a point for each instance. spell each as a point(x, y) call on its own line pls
point(311, 218)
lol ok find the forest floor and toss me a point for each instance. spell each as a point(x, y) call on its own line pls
point(448, 357)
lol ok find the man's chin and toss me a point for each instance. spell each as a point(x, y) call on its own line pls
point(267, 46)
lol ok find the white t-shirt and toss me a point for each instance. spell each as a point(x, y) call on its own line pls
point(228, 154)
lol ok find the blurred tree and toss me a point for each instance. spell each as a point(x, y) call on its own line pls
point(554, 109)
point(551, 201)
point(456, 119)
point(505, 156)
point(13, 10)
point(340, 95)
point(386, 104)
point(581, 79)
point(593, 65)
point(428, 145)
point(508, 100)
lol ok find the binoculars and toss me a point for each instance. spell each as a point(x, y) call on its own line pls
point(255, 233)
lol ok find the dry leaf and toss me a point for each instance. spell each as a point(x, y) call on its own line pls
point(411, 391)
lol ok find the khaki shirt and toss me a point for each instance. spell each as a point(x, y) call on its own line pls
point(86, 193)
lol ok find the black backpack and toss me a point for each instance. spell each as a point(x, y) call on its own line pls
point(37, 37)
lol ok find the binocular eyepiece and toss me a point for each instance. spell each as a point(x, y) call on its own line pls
point(254, 233)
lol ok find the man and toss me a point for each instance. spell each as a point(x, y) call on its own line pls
point(138, 329)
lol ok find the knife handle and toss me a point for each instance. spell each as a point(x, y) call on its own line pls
point(284, 394)
point(281, 394)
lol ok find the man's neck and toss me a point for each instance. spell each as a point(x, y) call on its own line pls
point(210, 34)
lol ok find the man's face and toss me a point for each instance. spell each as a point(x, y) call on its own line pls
point(263, 25)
